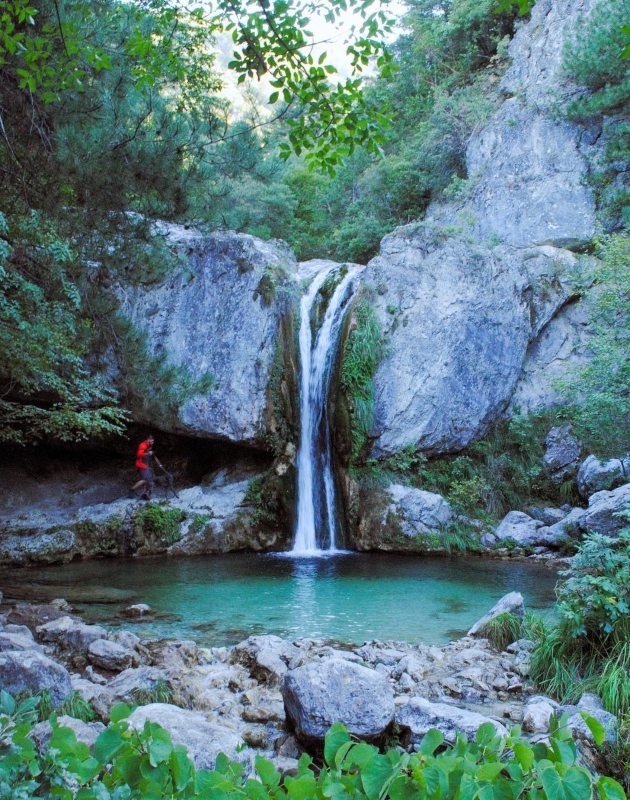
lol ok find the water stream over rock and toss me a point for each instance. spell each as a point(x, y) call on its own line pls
point(317, 526)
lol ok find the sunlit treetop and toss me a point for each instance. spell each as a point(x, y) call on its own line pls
point(55, 47)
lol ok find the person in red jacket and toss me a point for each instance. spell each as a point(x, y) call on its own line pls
point(144, 458)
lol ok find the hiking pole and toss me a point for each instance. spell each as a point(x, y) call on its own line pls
point(169, 481)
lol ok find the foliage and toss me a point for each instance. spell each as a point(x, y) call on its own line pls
point(74, 706)
point(503, 630)
point(589, 649)
point(133, 764)
point(592, 59)
point(45, 389)
point(160, 693)
point(363, 350)
point(264, 501)
point(601, 389)
point(159, 521)
point(502, 472)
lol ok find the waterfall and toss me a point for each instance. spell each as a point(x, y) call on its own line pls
point(316, 519)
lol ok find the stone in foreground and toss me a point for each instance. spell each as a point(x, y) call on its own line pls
point(420, 715)
point(335, 690)
point(266, 657)
point(511, 603)
point(203, 740)
point(31, 671)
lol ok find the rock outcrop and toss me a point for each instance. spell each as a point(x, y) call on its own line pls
point(218, 315)
point(441, 287)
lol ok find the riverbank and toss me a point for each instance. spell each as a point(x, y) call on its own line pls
point(273, 697)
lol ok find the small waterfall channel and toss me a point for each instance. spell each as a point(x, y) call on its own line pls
point(317, 525)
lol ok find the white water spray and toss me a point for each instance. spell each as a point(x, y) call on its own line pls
point(316, 530)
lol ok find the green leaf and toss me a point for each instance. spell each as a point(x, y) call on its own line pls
point(431, 740)
point(108, 743)
point(120, 711)
point(524, 755)
point(595, 727)
point(336, 737)
point(268, 773)
point(160, 747)
point(575, 784)
point(488, 772)
point(609, 789)
point(374, 775)
point(181, 767)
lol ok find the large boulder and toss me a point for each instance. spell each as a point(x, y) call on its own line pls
point(418, 511)
point(518, 527)
point(595, 476)
point(27, 547)
point(203, 740)
point(562, 453)
point(420, 715)
point(511, 603)
point(218, 314)
point(29, 670)
point(111, 655)
point(602, 514)
point(337, 690)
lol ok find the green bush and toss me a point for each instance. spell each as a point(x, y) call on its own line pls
point(129, 765)
point(589, 648)
point(160, 521)
point(503, 630)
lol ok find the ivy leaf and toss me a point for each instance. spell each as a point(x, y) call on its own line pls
point(575, 784)
point(609, 789)
point(336, 737)
point(431, 740)
point(595, 727)
point(108, 743)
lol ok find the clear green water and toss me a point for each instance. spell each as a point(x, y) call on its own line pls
point(220, 600)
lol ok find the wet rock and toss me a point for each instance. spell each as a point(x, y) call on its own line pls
point(594, 476)
point(137, 610)
point(110, 655)
point(43, 548)
point(562, 453)
point(511, 603)
point(518, 527)
point(203, 740)
point(420, 715)
point(70, 634)
point(335, 690)
point(31, 671)
point(266, 657)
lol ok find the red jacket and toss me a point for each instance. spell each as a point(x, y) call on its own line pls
point(143, 454)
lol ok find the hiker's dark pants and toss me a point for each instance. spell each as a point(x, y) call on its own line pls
point(147, 475)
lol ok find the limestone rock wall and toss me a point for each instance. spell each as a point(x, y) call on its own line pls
point(219, 314)
point(478, 301)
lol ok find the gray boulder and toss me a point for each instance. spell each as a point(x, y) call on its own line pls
point(219, 313)
point(70, 634)
point(518, 527)
point(593, 706)
point(603, 507)
point(203, 740)
point(111, 655)
point(537, 713)
point(266, 657)
point(511, 603)
point(18, 640)
point(420, 715)
point(86, 732)
point(594, 476)
point(336, 690)
point(418, 511)
point(144, 679)
point(562, 453)
point(29, 670)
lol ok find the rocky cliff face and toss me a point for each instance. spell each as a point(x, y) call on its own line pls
point(478, 301)
point(220, 314)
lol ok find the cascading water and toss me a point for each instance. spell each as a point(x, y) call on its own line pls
point(316, 519)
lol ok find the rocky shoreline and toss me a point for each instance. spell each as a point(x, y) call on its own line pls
point(271, 697)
